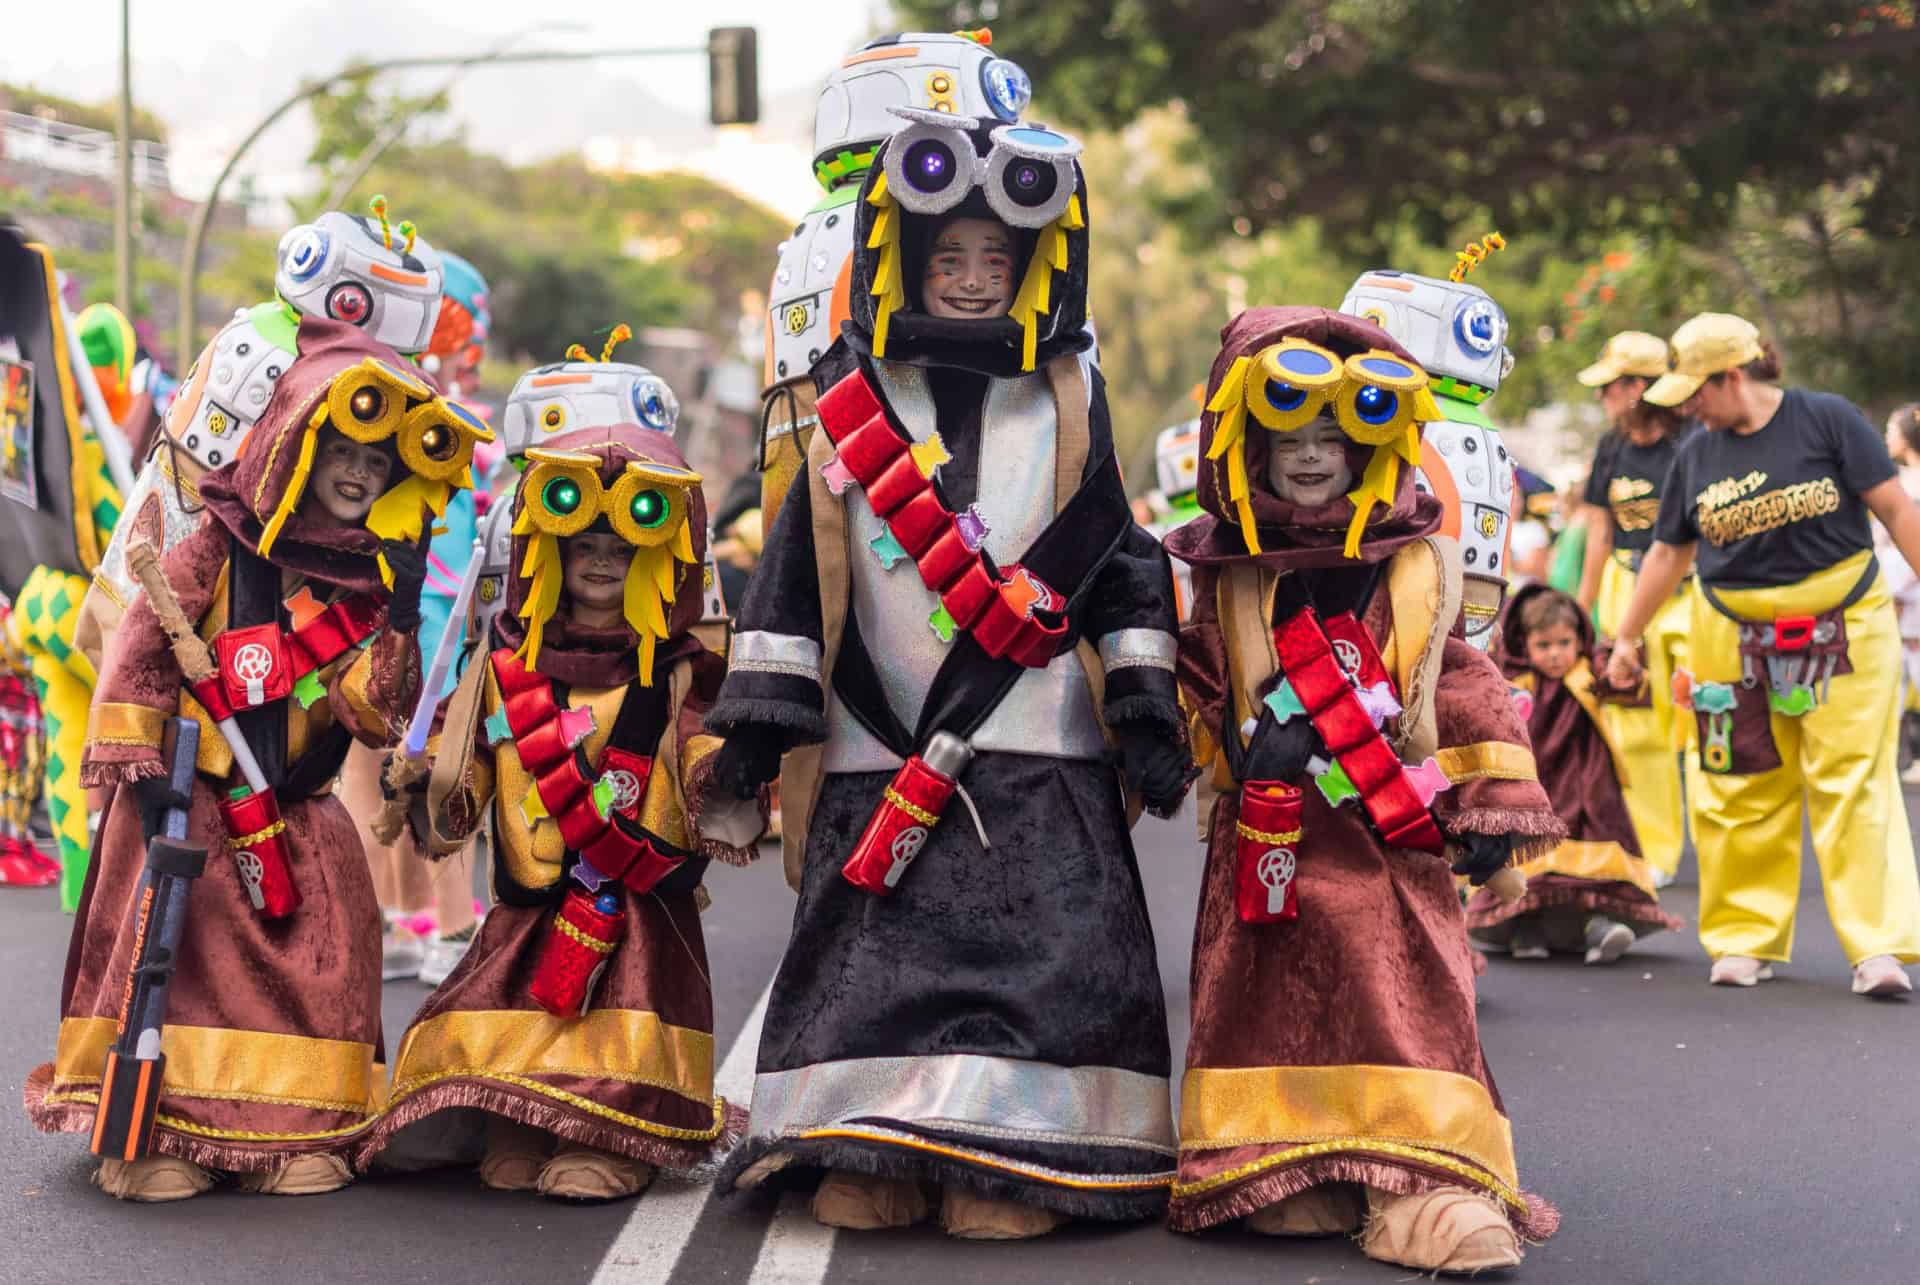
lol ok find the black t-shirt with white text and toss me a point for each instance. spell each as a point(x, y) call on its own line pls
point(1776, 506)
point(1628, 480)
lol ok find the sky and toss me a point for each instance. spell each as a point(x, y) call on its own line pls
point(212, 68)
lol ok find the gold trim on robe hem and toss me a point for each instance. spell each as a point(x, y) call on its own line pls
point(605, 1044)
point(222, 1065)
point(986, 1159)
point(1602, 860)
point(1487, 760)
point(118, 723)
point(1356, 1108)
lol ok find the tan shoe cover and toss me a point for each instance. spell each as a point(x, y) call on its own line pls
point(863, 1202)
point(584, 1173)
point(516, 1153)
point(152, 1179)
point(1449, 1229)
point(1333, 1209)
point(971, 1217)
point(310, 1175)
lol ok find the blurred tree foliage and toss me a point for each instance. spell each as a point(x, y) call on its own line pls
point(1748, 156)
point(29, 100)
point(567, 252)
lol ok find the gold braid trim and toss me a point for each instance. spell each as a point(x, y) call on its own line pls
point(179, 1125)
point(985, 1160)
point(911, 808)
point(1400, 1151)
point(571, 1099)
point(1269, 837)
point(593, 944)
point(258, 836)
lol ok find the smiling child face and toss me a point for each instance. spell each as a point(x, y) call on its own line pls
point(969, 271)
point(596, 573)
point(348, 476)
point(1308, 466)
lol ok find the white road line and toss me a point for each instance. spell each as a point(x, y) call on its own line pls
point(797, 1249)
point(662, 1220)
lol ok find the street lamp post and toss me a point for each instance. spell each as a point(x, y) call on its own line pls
point(197, 235)
point(123, 193)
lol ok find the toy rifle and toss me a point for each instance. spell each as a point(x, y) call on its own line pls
point(410, 765)
point(130, 1087)
point(255, 830)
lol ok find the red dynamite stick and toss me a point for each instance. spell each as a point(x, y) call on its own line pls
point(997, 627)
point(869, 449)
point(969, 595)
point(1037, 644)
point(581, 938)
point(258, 839)
point(911, 807)
point(900, 482)
point(946, 561)
point(1266, 852)
point(919, 522)
point(846, 405)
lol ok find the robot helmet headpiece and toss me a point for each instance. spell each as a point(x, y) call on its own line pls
point(578, 393)
point(1454, 329)
point(345, 267)
point(955, 73)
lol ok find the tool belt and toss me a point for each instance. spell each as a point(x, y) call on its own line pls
point(1787, 665)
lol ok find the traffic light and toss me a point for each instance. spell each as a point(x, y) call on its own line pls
point(733, 74)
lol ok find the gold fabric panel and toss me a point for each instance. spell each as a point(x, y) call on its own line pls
point(233, 1066)
point(114, 723)
point(1586, 859)
point(1489, 760)
point(1353, 1106)
point(607, 1044)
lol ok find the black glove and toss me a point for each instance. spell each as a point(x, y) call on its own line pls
point(1279, 751)
point(409, 565)
point(1155, 765)
point(1482, 856)
point(748, 759)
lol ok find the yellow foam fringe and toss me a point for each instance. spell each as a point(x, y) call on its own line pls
point(542, 565)
point(887, 285)
point(1229, 404)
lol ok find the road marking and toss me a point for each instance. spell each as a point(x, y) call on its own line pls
point(797, 1249)
point(662, 1220)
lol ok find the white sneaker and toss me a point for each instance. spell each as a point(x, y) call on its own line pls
point(1911, 776)
point(1740, 970)
point(1664, 878)
point(1607, 939)
point(1881, 975)
point(443, 955)
point(400, 953)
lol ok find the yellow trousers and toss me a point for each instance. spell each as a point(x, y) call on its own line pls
point(1648, 738)
point(42, 623)
point(1839, 768)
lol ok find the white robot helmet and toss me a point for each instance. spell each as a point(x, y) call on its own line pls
point(952, 72)
point(1453, 329)
point(351, 268)
point(568, 395)
point(1176, 459)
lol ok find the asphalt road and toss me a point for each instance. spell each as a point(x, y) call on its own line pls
point(1687, 1133)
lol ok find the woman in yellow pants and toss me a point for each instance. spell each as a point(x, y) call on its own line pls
point(1622, 498)
point(1795, 657)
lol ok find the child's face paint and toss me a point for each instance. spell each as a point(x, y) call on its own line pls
point(1308, 466)
point(970, 271)
point(348, 476)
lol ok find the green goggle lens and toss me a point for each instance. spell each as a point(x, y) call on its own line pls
point(561, 496)
point(649, 509)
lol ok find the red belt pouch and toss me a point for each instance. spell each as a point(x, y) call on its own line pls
point(581, 937)
point(899, 827)
point(1266, 843)
point(258, 838)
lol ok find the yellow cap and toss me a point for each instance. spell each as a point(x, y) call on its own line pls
point(1631, 352)
point(1704, 346)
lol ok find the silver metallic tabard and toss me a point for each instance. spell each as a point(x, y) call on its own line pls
point(999, 1097)
point(490, 592)
point(811, 260)
point(1049, 711)
point(243, 366)
point(1468, 467)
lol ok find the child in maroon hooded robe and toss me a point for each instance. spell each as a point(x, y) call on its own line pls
point(1360, 746)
